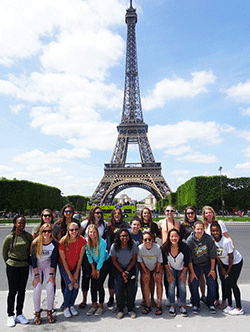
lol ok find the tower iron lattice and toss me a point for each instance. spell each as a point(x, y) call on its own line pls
point(119, 175)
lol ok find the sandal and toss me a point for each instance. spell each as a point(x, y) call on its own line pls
point(51, 319)
point(158, 311)
point(146, 310)
point(153, 304)
point(143, 303)
point(37, 320)
point(82, 305)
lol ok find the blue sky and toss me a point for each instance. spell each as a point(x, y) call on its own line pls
point(62, 68)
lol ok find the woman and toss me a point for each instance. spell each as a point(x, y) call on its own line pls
point(203, 255)
point(71, 251)
point(124, 255)
point(188, 224)
point(16, 252)
point(208, 216)
point(230, 265)
point(116, 221)
point(95, 217)
point(99, 259)
point(150, 260)
point(44, 256)
point(176, 259)
point(147, 224)
point(46, 218)
point(60, 230)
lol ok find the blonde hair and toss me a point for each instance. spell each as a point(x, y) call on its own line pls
point(204, 219)
point(92, 245)
point(66, 238)
point(37, 244)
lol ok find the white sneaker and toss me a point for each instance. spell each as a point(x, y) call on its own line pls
point(99, 312)
point(236, 312)
point(67, 313)
point(91, 311)
point(120, 315)
point(73, 311)
point(132, 314)
point(21, 319)
point(228, 309)
point(11, 321)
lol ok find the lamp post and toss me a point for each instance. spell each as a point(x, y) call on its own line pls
point(222, 201)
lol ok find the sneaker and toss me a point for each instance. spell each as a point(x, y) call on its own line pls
point(99, 312)
point(73, 311)
point(212, 309)
point(132, 314)
point(204, 299)
point(114, 309)
point(236, 312)
point(172, 311)
point(195, 310)
point(183, 311)
point(11, 321)
point(110, 301)
point(91, 311)
point(120, 315)
point(228, 309)
point(22, 320)
point(67, 313)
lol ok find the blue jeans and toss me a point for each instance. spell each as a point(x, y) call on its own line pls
point(182, 287)
point(211, 285)
point(69, 295)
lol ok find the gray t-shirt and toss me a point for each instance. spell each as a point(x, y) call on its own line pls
point(150, 257)
point(124, 256)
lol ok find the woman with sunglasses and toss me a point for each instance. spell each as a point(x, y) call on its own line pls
point(60, 230)
point(116, 221)
point(187, 226)
point(150, 260)
point(46, 218)
point(124, 255)
point(95, 217)
point(44, 256)
point(71, 251)
point(176, 259)
point(99, 259)
point(15, 252)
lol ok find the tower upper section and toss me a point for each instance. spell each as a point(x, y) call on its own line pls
point(132, 112)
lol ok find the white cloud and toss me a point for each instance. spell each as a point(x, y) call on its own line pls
point(246, 151)
point(198, 157)
point(4, 168)
point(178, 88)
point(172, 136)
point(244, 134)
point(245, 111)
point(240, 92)
point(179, 172)
point(245, 167)
point(178, 151)
point(15, 109)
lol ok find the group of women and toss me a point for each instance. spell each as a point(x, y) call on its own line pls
point(120, 251)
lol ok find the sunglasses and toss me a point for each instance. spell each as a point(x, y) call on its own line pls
point(74, 230)
point(123, 235)
point(47, 215)
point(169, 210)
point(147, 240)
point(98, 212)
point(68, 211)
point(190, 213)
point(47, 231)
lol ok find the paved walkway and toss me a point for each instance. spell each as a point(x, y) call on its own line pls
point(204, 322)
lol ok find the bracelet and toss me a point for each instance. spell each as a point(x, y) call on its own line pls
point(37, 274)
point(126, 272)
point(51, 274)
point(212, 271)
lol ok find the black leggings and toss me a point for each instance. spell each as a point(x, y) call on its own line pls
point(97, 284)
point(86, 272)
point(17, 280)
point(230, 283)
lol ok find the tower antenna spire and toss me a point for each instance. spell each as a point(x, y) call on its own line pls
point(131, 6)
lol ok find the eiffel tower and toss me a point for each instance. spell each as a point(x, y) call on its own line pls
point(119, 175)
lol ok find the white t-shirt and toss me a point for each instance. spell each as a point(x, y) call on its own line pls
point(150, 257)
point(222, 226)
point(224, 247)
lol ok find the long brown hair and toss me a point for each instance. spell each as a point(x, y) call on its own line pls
point(204, 219)
point(186, 221)
point(111, 223)
point(62, 219)
point(65, 239)
point(150, 220)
